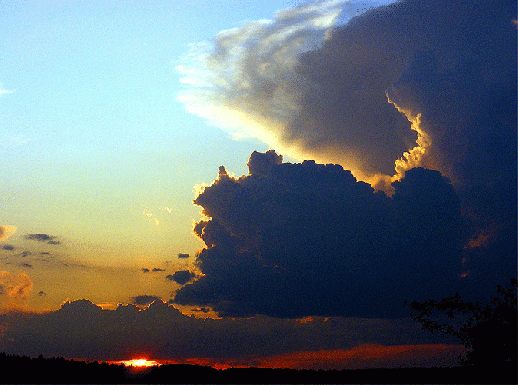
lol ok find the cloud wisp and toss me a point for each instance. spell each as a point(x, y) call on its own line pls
point(4, 91)
point(246, 78)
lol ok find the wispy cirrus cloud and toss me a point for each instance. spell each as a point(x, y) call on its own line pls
point(4, 91)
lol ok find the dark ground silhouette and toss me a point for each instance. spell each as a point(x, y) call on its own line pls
point(16, 369)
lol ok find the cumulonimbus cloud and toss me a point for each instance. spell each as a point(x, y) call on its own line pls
point(402, 86)
point(294, 240)
point(409, 84)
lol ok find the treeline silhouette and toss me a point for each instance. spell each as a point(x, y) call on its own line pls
point(23, 369)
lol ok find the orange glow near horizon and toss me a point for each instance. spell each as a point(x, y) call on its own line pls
point(368, 356)
point(359, 357)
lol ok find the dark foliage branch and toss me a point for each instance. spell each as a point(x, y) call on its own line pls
point(489, 330)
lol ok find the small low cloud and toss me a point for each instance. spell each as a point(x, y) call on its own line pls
point(144, 300)
point(153, 270)
point(43, 238)
point(181, 277)
point(183, 256)
point(7, 247)
point(6, 231)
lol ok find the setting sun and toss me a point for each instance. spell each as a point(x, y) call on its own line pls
point(140, 362)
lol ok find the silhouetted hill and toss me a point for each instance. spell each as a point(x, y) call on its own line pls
point(16, 369)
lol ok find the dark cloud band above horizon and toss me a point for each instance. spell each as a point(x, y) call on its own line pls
point(83, 330)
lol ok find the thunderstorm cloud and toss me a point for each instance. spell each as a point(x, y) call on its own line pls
point(413, 83)
point(294, 240)
point(414, 101)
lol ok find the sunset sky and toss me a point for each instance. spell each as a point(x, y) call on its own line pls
point(292, 170)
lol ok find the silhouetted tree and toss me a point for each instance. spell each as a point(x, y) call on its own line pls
point(488, 330)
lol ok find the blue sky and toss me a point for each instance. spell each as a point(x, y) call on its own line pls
point(97, 150)
point(94, 140)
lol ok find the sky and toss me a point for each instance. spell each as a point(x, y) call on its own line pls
point(280, 176)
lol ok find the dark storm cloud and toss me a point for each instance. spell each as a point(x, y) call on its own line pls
point(50, 239)
point(294, 240)
point(417, 83)
point(181, 277)
point(144, 300)
point(80, 329)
